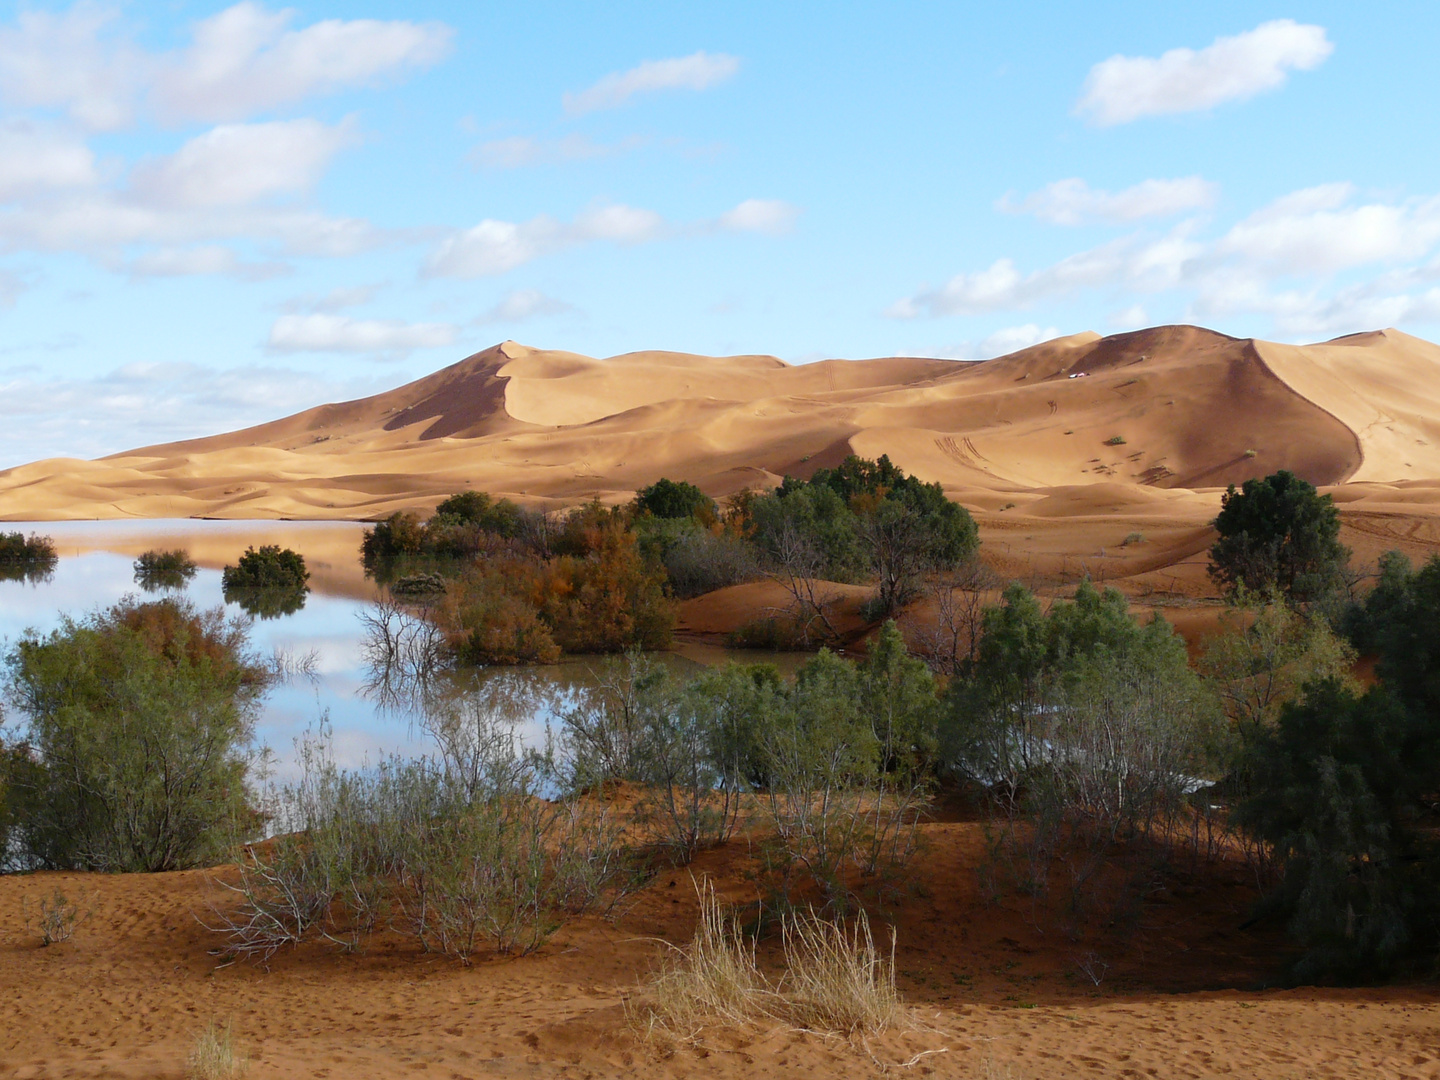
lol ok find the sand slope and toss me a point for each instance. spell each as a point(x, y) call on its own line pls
point(1078, 425)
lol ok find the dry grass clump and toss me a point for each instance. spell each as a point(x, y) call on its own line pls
point(713, 978)
point(835, 980)
point(214, 1056)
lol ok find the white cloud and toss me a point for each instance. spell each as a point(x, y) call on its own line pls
point(1074, 202)
point(520, 151)
point(698, 71)
point(522, 304)
point(1314, 231)
point(36, 159)
point(1014, 338)
point(1149, 265)
point(241, 61)
point(321, 332)
point(67, 60)
point(1130, 318)
point(245, 60)
point(495, 247)
point(204, 259)
point(1126, 88)
point(144, 404)
point(236, 164)
point(770, 216)
point(99, 224)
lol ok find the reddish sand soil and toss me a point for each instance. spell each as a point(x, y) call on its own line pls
point(998, 985)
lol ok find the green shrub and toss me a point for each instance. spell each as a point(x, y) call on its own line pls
point(1279, 533)
point(271, 567)
point(138, 728)
point(156, 570)
point(26, 558)
point(675, 499)
point(1115, 440)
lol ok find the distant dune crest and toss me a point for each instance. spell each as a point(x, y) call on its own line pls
point(1157, 413)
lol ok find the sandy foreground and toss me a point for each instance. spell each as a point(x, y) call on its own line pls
point(996, 989)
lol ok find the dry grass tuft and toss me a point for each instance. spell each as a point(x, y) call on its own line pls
point(836, 980)
point(214, 1056)
point(713, 978)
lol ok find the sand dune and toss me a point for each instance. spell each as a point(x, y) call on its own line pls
point(1135, 429)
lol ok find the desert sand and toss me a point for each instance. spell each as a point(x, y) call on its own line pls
point(996, 990)
point(1084, 455)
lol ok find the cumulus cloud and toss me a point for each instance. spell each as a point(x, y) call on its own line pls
point(1148, 265)
point(523, 304)
point(1294, 260)
point(698, 71)
point(241, 61)
point(246, 59)
point(495, 247)
point(74, 61)
point(322, 332)
point(203, 259)
point(1315, 231)
point(241, 163)
point(1126, 88)
point(770, 216)
point(1074, 202)
point(141, 404)
point(34, 158)
point(521, 151)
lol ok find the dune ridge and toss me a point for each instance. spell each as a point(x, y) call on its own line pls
point(1166, 414)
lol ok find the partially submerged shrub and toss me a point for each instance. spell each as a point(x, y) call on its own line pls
point(139, 722)
point(156, 570)
point(269, 567)
point(267, 583)
point(457, 860)
point(26, 558)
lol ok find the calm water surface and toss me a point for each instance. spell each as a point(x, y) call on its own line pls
point(95, 570)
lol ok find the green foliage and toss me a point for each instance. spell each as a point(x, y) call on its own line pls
point(138, 726)
point(1265, 656)
point(1279, 533)
point(457, 858)
point(26, 558)
point(675, 499)
point(1342, 787)
point(267, 583)
point(1080, 719)
point(1115, 440)
point(864, 517)
point(270, 567)
point(156, 570)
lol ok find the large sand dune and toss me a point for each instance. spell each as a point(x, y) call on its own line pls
point(1146, 424)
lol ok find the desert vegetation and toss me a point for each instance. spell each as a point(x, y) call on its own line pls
point(267, 582)
point(26, 558)
point(170, 569)
point(137, 739)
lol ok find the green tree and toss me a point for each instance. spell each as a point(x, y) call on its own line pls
point(139, 722)
point(675, 499)
point(1279, 533)
point(270, 567)
point(1342, 788)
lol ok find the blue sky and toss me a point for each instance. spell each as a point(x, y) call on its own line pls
point(212, 215)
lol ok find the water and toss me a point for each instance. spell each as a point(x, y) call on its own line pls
point(95, 570)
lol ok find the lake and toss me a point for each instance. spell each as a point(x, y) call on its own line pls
point(95, 570)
